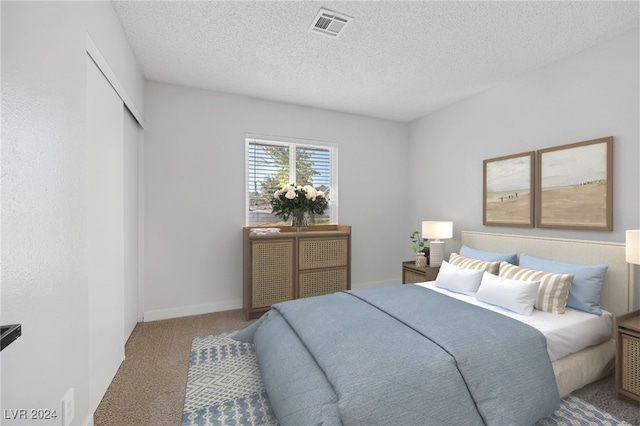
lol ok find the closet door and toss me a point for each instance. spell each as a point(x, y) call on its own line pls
point(132, 142)
point(105, 232)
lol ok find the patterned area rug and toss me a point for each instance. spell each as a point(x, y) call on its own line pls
point(225, 388)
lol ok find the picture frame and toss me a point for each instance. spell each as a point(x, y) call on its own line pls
point(508, 192)
point(575, 186)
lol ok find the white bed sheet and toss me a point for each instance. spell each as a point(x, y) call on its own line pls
point(566, 333)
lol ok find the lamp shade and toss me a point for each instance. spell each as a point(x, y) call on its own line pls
point(437, 230)
point(632, 246)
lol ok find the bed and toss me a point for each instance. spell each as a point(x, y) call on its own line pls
point(420, 354)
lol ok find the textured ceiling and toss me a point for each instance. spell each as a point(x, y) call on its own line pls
point(396, 60)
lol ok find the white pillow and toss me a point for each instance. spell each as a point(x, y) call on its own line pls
point(553, 291)
point(514, 295)
point(458, 279)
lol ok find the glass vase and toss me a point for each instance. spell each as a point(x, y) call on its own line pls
point(299, 219)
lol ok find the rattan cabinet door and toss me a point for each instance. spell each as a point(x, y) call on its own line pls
point(630, 364)
point(314, 253)
point(628, 356)
point(272, 272)
point(317, 283)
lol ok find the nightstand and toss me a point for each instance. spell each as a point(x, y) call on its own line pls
point(628, 356)
point(414, 274)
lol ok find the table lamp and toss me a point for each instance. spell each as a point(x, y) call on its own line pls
point(436, 231)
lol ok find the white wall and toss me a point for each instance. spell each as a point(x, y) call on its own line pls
point(194, 192)
point(591, 95)
point(45, 195)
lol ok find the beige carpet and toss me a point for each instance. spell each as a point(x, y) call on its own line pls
point(149, 387)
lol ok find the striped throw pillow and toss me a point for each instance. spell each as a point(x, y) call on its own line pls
point(553, 290)
point(468, 263)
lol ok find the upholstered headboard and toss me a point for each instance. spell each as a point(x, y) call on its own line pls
point(615, 296)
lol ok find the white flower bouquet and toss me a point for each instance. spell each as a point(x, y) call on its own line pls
point(293, 201)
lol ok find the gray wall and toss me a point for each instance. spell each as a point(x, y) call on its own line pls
point(195, 183)
point(588, 96)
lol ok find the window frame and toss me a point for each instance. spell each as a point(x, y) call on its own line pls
point(293, 143)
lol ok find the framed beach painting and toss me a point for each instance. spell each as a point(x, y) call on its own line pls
point(508, 191)
point(575, 186)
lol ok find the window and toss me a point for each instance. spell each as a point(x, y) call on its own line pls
point(271, 164)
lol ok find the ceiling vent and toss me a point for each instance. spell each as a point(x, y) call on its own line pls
point(330, 23)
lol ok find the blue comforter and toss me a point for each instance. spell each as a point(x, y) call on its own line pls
point(400, 355)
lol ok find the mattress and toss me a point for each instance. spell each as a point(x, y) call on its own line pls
point(566, 334)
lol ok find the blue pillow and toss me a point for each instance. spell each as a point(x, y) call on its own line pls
point(584, 293)
point(489, 256)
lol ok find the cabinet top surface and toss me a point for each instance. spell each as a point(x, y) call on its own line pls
point(630, 321)
point(309, 231)
point(412, 264)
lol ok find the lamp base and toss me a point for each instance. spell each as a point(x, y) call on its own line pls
point(436, 253)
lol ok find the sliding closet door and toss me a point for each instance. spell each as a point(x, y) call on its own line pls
point(106, 232)
point(132, 142)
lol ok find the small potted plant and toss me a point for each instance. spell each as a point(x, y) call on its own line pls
point(420, 248)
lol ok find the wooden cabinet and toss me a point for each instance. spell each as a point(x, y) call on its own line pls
point(415, 274)
point(628, 356)
point(291, 265)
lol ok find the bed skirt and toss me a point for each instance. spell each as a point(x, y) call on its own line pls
point(581, 368)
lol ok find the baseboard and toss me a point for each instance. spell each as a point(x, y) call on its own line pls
point(185, 311)
point(88, 421)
